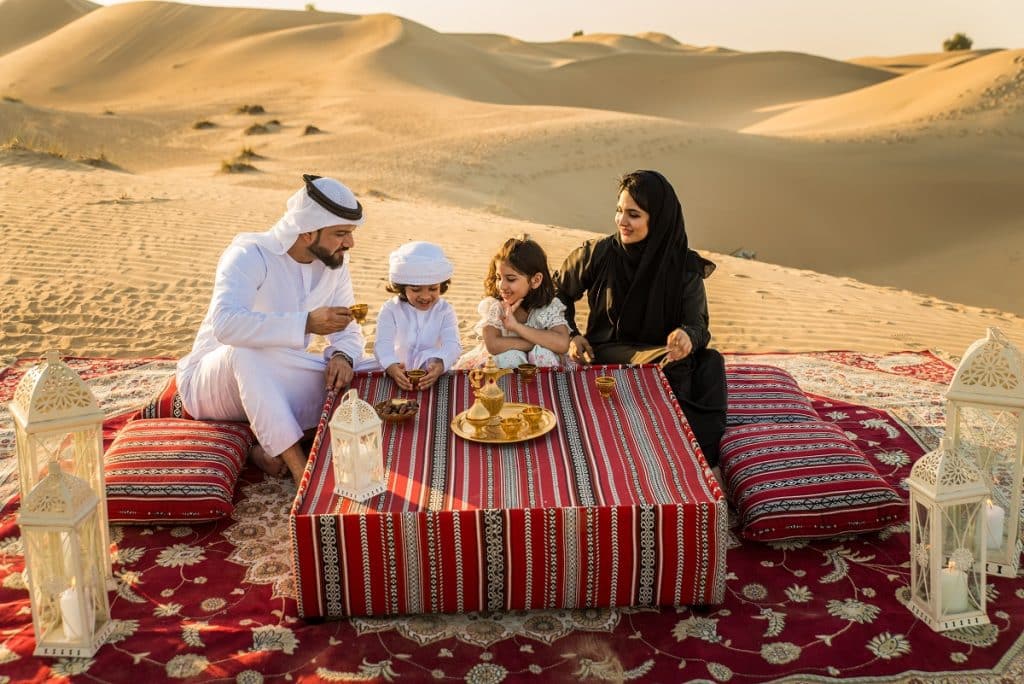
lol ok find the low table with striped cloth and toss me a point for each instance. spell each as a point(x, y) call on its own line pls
point(613, 507)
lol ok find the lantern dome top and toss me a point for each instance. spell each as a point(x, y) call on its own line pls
point(354, 414)
point(991, 372)
point(948, 472)
point(58, 498)
point(50, 391)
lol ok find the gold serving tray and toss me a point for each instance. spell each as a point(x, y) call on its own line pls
point(493, 432)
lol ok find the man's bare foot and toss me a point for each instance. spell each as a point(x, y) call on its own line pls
point(274, 467)
point(295, 460)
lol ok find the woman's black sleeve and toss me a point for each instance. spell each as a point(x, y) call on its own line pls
point(695, 311)
point(571, 282)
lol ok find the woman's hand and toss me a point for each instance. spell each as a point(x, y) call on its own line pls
point(580, 349)
point(396, 372)
point(679, 345)
point(435, 369)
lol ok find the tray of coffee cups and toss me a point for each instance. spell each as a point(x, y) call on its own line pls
point(515, 423)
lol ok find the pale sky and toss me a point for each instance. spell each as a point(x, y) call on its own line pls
point(833, 28)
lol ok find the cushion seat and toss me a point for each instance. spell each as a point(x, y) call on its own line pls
point(803, 480)
point(174, 470)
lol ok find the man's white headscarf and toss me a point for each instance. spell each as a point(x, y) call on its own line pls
point(322, 202)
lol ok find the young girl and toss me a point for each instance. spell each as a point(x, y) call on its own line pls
point(521, 321)
point(416, 328)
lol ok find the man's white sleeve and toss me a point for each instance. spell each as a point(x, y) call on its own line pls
point(240, 273)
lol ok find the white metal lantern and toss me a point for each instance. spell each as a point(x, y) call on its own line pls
point(57, 418)
point(356, 449)
point(947, 539)
point(65, 564)
point(985, 417)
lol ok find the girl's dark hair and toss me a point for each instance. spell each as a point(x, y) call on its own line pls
point(527, 257)
point(399, 289)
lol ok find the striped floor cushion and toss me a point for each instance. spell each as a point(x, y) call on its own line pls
point(804, 480)
point(764, 394)
point(174, 470)
point(166, 404)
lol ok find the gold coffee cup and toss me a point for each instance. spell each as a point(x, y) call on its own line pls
point(605, 385)
point(511, 427)
point(528, 371)
point(415, 375)
point(358, 312)
point(479, 425)
point(533, 415)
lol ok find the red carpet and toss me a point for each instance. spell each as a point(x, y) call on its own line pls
point(213, 602)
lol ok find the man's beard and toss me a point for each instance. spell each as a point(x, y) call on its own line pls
point(330, 259)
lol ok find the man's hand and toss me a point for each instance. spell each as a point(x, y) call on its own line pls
point(339, 373)
point(679, 345)
point(580, 349)
point(328, 320)
point(435, 369)
point(396, 372)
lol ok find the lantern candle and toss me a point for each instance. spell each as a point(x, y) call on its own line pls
point(995, 516)
point(954, 589)
point(76, 624)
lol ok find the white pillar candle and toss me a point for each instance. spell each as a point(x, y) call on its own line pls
point(995, 517)
point(954, 589)
point(76, 626)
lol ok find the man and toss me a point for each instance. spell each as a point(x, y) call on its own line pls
point(272, 291)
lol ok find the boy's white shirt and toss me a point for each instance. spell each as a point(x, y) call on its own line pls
point(407, 335)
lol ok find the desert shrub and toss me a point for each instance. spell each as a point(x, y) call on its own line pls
point(199, 125)
point(236, 167)
point(959, 41)
point(311, 130)
point(9, 98)
point(273, 122)
point(577, 33)
point(250, 109)
point(310, 7)
point(248, 153)
point(256, 129)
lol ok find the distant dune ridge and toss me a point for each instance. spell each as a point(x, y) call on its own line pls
point(902, 171)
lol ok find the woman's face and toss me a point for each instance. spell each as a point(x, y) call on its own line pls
point(630, 219)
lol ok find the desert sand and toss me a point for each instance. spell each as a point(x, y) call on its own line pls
point(883, 197)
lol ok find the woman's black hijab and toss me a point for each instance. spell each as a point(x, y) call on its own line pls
point(646, 280)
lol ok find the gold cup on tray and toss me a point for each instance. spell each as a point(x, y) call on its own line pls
point(511, 427)
point(359, 312)
point(533, 415)
point(605, 385)
point(527, 371)
point(415, 375)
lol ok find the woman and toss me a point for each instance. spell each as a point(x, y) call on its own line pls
point(647, 302)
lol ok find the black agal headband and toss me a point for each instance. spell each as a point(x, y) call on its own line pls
point(327, 203)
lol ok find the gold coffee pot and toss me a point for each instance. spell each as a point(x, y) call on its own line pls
point(489, 372)
point(485, 380)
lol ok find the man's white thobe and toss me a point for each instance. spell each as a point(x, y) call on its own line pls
point(413, 337)
point(249, 361)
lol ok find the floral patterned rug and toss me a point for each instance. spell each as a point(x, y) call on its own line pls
point(214, 602)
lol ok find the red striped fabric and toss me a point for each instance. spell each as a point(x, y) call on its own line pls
point(760, 393)
point(174, 470)
point(804, 480)
point(613, 507)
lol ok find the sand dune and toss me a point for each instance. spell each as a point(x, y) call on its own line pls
point(975, 90)
point(910, 181)
point(24, 21)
